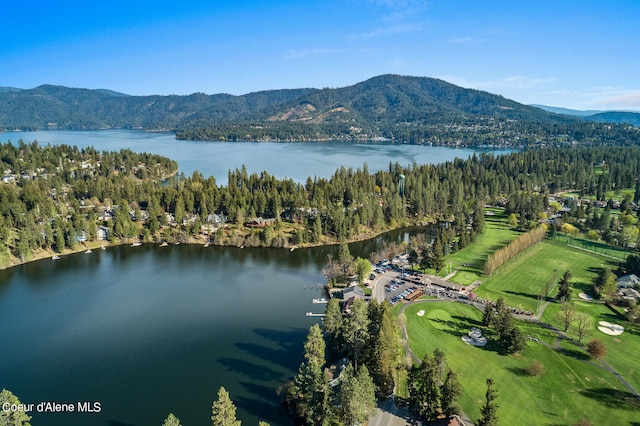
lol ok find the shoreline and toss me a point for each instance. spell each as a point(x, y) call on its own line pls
point(42, 254)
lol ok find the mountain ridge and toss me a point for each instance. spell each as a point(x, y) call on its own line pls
point(390, 106)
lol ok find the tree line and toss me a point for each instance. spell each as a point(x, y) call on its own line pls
point(59, 194)
point(515, 247)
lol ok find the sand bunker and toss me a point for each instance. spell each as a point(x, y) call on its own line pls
point(420, 313)
point(610, 329)
point(585, 296)
point(475, 338)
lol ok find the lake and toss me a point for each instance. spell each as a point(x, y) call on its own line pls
point(148, 330)
point(296, 160)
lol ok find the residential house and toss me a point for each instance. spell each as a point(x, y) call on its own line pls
point(103, 233)
point(628, 281)
point(259, 222)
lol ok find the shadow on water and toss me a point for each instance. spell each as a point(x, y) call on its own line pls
point(285, 339)
point(613, 398)
point(262, 404)
point(289, 342)
point(251, 370)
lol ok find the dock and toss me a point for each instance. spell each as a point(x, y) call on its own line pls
point(311, 314)
point(322, 300)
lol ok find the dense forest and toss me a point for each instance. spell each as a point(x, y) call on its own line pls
point(399, 108)
point(57, 198)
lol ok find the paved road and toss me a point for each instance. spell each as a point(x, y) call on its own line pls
point(387, 414)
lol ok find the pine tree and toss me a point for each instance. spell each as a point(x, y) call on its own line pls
point(223, 410)
point(356, 330)
point(451, 390)
point(357, 395)
point(311, 387)
point(333, 324)
point(382, 351)
point(564, 287)
point(424, 389)
point(171, 420)
point(488, 317)
point(10, 418)
point(489, 409)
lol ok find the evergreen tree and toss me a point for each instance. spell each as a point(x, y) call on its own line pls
point(564, 287)
point(356, 330)
point(357, 395)
point(451, 391)
point(382, 358)
point(223, 410)
point(171, 420)
point(488, 317)
point(424, 389)
point(604, 284)
point(489, 409)
point(311, 387)
point(345, 260)
point(12, 418)
point(333, 324)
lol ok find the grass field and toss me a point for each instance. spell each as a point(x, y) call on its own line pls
point(573, 387)
point(598, 247)
point(471, 259)
point(523, 278)
point(622, 351)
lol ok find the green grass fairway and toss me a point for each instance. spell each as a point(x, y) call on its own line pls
point(573, 387)
point(523, 278)
point(618, 253)
point(622, 351)
point(496, 234)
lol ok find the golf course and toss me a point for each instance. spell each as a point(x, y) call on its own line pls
point(554, 380)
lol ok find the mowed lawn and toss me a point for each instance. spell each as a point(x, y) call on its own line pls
point(622, 351)
point(572, 388)
point(471, 259)
point(521, 281)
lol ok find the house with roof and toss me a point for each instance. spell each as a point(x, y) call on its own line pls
point(103, 233)
point(628, 281)
point(259, 222)
point(354, 292)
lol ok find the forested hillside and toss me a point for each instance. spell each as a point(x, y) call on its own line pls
point(398, 108)
point(58, 198)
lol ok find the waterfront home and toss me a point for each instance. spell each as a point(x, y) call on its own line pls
point(103, 233)
point(354, 292)
point(259, 222)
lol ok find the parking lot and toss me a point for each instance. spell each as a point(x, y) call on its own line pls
point(398, 284)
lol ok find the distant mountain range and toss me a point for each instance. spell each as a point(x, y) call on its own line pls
point(414, 109)
point(628, 117)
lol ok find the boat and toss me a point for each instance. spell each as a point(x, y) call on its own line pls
point(321, 300)
point(103, 247)
point(164, 244)
point(177, 243)
point(136, 244)
point(292, 249)
point(87, 251)
point(206, 245)
point(56, 257)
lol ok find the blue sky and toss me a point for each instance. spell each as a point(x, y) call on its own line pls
point(575, 54)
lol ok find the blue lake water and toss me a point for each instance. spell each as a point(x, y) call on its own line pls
point(147, 330)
